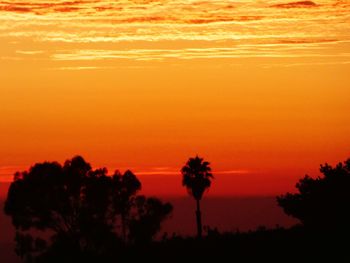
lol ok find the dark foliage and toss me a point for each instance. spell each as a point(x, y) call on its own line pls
point(261, 245)
point(124, 191)
point(70, 212)
point(196, 177)
point(322, 203)
point(146, 218)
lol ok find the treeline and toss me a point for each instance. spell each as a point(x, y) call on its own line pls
point(71, 213)
point(81, 210)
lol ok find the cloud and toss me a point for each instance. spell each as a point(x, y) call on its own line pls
point(289, 48)
point(145, 1)
point(42, 7)
point(145, 19)
point(233, 172)
point(219, 19)
point(79, 68)
point(30, 52)
point(67, 9)
point(299, 4)
point(307, 41)
point(17, 9)
point(108, 8)
point(183, 29)
point(305, 64)
point(157, 173)
point(7, 172)
point(178, 173)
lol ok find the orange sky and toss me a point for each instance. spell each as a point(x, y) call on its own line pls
point(260, 89)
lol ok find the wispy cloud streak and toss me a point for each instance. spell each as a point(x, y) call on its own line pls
point(256, 51)
point(246, 28)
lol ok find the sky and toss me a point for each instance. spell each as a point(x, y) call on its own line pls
point(260, 89)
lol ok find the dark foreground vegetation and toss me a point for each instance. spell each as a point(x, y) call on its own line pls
point(262, 245)
point(72, 213)
point(277, 245)
point(296, 244)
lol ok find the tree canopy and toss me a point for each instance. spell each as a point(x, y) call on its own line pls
point(196, 176)
point(78, 210)
point(322, 202)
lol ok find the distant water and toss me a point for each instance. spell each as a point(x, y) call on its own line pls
point(227, 214)
point(7, 254)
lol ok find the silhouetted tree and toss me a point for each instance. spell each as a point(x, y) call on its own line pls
point(70, 201)
point(196, 177)
point(322, 202)
point(77, 207)
point(125, 188)
point(147, 215)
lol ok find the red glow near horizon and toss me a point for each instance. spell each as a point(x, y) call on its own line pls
point(166, 181)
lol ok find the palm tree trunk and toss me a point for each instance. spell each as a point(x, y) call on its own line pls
point(199, 220)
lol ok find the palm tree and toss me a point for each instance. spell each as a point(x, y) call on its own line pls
point(196, 177)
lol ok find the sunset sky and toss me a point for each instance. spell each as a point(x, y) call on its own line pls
point(261, 89)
